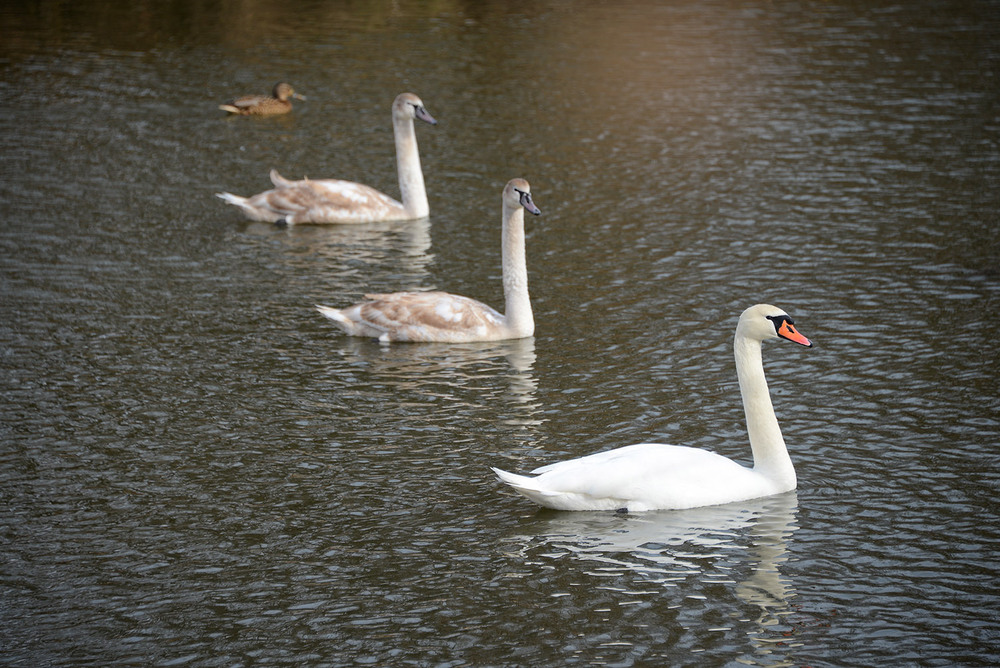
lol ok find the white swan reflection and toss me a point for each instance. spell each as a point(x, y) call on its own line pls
point(668, 549)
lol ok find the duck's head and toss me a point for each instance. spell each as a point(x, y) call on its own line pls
point(283, 91)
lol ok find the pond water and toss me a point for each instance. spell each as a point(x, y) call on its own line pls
point(198, 469)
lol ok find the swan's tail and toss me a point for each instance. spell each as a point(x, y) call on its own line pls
point(243, 203)
point(526, 486)
point(232, 199)
point(351, 321)
point(252, 212)
point(511, 479)
point(532, 489)
point(335, 315)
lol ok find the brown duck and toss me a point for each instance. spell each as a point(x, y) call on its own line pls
point(263, 105)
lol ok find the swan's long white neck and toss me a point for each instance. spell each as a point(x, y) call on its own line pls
point(517, 310)
point(411, 178)
point(770, 457)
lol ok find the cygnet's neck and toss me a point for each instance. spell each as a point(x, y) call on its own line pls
point(517, 309)
point(411, 178)
point(770, 456)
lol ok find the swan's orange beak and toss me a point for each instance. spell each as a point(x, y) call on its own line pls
point(787, 331)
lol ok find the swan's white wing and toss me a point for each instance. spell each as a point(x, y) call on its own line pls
point(640, 477)
point(637, 470)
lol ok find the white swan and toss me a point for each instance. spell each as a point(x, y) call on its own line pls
point(653, 476)
point(444, 317)
point(334, 201)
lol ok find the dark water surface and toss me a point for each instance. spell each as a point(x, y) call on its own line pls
point(197, 469)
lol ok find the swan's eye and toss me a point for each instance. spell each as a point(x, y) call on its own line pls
point(782, 323)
